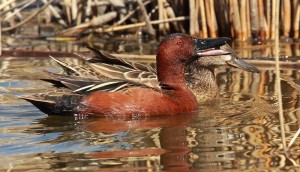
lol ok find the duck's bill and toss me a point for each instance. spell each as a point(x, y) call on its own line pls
point(210, 43)
point(213, 52)
point(223, 55)
point(239, 63)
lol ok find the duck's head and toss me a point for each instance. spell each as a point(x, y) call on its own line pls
point(178, 50)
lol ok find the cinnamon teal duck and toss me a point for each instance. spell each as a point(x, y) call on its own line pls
point(133, 89)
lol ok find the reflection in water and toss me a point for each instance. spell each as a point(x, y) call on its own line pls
point(239, 130)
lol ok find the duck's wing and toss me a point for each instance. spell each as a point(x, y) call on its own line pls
point(118, 68)
point(84, 85)
point(78, 70)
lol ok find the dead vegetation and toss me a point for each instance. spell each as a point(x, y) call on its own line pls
point(239, 19)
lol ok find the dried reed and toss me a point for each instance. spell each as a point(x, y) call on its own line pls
point(240, 19)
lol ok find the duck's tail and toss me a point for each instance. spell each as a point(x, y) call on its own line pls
point(55, 104)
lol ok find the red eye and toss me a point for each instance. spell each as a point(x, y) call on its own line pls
point(179, 42)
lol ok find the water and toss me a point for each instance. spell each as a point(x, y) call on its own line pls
point(238, 131)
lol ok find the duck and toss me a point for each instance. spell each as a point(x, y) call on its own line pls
point(199, 75)
point(165, 93)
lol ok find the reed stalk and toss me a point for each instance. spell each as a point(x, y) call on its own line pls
point(248, 23)
point(208, 17)
point(231, 15)
point(6, 3)
point(161, 16)
point(165, 16)
point(171, 14)
point(74, 10)
point(262, 21)
point(96, 21)
point(286, 13)
point(277, 71)
point(273, 20)
point(80, 13)
point(243, 12)
point(0, 38)
point(214, 25)
point(88, 11)
point(68, 11)
point(296, 17)
point(149, 27)
point(203, 19)
point(56, 14)
point(28, 18)
point(18, 10)
point(236, 20)
point(254, 18)
point(268, 17)
point(193, 18)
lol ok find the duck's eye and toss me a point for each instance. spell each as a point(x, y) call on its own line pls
point(179, 42)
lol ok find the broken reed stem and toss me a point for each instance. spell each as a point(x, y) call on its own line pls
point(28, 18)
point(130, 26)
point(277, 71)
point(149, 27)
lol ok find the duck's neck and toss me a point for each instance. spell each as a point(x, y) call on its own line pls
point(201, 81)
point(170, 73)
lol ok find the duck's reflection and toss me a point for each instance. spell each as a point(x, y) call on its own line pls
point(186, 142)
